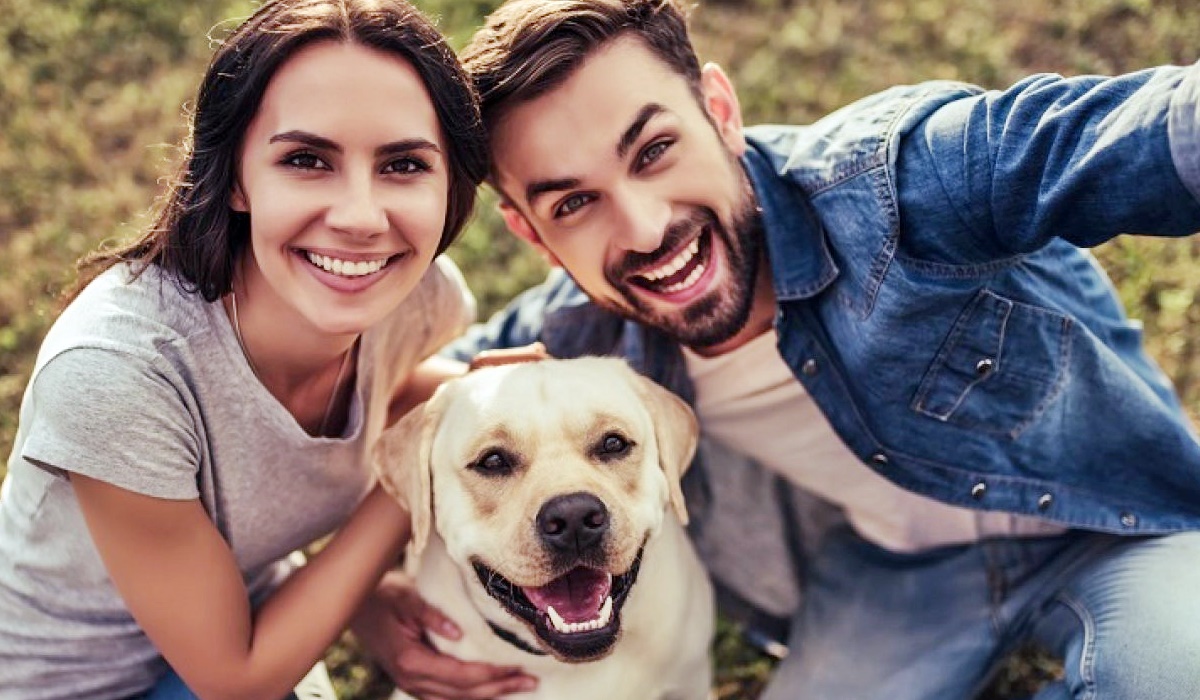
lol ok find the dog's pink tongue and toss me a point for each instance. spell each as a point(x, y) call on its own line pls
point(577, 595)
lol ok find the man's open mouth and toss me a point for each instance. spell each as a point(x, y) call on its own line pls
point(680, 271)
point(577, 615)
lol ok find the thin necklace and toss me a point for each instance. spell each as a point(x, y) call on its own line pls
point(337, 382)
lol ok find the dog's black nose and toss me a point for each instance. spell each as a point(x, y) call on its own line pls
point(572, 523)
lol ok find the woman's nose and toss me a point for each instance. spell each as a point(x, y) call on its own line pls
point(358, 210)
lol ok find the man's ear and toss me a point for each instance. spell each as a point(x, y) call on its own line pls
point(721, 103)
point(521, 228)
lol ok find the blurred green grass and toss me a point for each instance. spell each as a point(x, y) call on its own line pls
point(92, 94)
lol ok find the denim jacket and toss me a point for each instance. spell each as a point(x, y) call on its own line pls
point(935, 298)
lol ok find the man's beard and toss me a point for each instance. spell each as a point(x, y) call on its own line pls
point(721, 312)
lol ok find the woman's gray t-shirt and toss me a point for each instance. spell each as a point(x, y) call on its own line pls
point(144, 386)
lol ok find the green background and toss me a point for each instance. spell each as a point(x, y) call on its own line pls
point(92, 94)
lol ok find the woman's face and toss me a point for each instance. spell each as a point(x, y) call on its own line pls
point(344, 175)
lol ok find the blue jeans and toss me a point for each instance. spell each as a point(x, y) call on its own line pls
point(314, 686)
point(1122, 613)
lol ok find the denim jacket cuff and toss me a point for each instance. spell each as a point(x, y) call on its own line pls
point(1183, 127)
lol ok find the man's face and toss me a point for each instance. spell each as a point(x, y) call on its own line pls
point(629, 181)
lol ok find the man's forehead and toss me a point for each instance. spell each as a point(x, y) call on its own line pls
point(566, 131)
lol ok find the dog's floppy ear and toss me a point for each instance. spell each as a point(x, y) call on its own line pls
point(675, 431)
point(401, 460)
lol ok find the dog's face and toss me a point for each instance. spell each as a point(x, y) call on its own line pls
point(545, 480)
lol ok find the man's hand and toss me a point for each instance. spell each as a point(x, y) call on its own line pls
point(526, 353)
point(391, 626)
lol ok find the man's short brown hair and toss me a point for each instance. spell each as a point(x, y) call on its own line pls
point(528, 47)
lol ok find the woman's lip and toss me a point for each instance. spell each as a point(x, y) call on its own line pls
point(341, 283)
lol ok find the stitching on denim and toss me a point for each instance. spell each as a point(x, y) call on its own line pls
point(885, 196)
point(1064, 353)
point(998, 359)
point(1053, 390)
point(939, 360)
point(1087, 660)
point(960, 271)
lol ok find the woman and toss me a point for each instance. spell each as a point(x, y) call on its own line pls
point(204, 405)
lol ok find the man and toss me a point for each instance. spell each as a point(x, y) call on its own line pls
point(890, 309)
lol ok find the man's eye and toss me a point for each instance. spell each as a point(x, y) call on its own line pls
point(303, 160)
point(572, 204)
point(406, 166)
point(653, 152)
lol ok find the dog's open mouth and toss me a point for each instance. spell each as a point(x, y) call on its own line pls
point(577, 615)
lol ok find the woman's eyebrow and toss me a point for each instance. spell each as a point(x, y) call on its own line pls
point(320, 142)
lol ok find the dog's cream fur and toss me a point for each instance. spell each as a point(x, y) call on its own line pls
point(549, 421)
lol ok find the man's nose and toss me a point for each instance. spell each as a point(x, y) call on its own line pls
point(357, 208)
point(643, 218)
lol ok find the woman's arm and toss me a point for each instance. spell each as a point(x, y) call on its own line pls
point(182, 585)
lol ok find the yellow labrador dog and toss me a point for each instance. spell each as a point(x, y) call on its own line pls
point(547, 521)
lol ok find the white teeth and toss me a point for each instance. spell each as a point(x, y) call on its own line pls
point(602, 619)
point(346, 268)
point(675, 264)
point(556, 619)
point(687, 281)
point(605, 612)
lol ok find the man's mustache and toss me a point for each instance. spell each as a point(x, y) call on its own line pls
point(676, 233)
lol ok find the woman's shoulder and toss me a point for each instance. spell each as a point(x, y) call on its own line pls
point(446, 288)
point(135, 314)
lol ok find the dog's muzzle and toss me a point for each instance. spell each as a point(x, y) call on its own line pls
point(576, 615)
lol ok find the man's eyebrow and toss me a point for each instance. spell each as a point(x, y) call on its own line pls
point(322, 143)
point(635, 129)
point(540, 187)
point(628, 138)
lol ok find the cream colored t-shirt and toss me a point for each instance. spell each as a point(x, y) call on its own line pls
point(749, 400)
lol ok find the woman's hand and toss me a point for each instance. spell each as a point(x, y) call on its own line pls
point(392, 627)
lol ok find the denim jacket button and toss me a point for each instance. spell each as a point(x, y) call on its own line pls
point(1128, 519)
point(809, 368)
point(985, 366)
point(978, 490)
point(880, 459)
point(1045, 501)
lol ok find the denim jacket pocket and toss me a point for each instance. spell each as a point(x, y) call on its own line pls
point(1001, 365)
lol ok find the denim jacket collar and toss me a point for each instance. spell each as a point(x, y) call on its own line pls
point(790, 225)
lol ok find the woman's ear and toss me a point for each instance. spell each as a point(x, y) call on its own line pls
point(237, 200)
point(721, 103)
point(521, 228)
